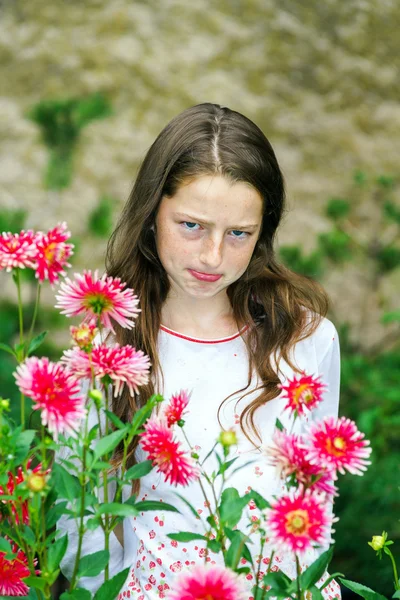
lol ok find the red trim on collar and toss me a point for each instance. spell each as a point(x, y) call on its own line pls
point(201, 341)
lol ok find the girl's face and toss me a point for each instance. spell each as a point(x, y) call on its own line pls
point(209, 227)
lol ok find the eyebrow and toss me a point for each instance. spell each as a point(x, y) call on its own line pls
point(201, 221)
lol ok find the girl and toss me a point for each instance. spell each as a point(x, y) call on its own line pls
point(221, 317)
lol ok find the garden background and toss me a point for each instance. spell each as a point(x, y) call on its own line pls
point(86, 87)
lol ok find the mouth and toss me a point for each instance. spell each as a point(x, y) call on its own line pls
point(204, 276)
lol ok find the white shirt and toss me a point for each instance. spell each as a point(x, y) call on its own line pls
point(211, 370)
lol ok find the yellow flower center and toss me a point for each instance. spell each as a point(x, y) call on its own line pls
point(297, 522)
point(303, 394)
point(336, 447)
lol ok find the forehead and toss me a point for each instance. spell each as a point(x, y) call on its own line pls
point(214, 197)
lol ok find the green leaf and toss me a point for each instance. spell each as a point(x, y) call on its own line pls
point(190, 506)
point(232, 506)
point(362, 590)
point(237, 549)
point(114, 508)
point(93, 564)
point(214, 546)
point(35, 582)
point(23, 441)
point(278, 424)
point(310, 576)
point(154, 505)
point(316, 593)
point(186, 536)
point(36, 342)
point(56, 552)
point(110, 589)
point(139, 470)
point(68, 485)
point(8, 349)
point(77, 594)
point(5, 546)
point(225, 466)
point(54, 513)
point(396, 594)
point(109, 442)
point(279, 583)
point(114, 419)
point(259, 501)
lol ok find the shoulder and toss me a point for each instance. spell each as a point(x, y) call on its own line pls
point(324, 337)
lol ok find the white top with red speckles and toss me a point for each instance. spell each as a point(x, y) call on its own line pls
point(212, 369)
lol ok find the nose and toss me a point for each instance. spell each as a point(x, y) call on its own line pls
point(211, 252)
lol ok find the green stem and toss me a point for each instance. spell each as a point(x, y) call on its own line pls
point(257, 573)
point(107, 520)
point(20, 353)
point(35, 311)
point(396, 577)
point(298, 570)
point(81, 529)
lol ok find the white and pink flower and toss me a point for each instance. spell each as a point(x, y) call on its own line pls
point(53, 253)
point(123, 364)
point(158, 441)
point(18, 250)
point(337, 444)
point(298, 521)
point(103, 298)
point(55, 392)
point(211, 583)
point(175, 409)
point(303, 394)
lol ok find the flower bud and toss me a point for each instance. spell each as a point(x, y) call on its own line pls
point(97, 396)
point(4, 404)
point(36, 482)
point(228, 438)
point(378, 541)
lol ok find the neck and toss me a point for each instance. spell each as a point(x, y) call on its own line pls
point(199, 317)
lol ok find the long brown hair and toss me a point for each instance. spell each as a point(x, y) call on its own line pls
point(280, 306)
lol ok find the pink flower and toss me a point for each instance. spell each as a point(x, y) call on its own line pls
point(17, 250)
point(123, 364)
point(303, 394)
point(84, 334)
point(208, 583)
point(298, 521)
point(289, 455)
point(176, 407)
point(53, 253)
point(103, 298)
point(55, 392)
point(158, 441)
point(11, 574)
point(338, 445)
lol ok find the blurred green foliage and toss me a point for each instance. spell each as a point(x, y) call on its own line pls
point(101, 218)
point(61, 122)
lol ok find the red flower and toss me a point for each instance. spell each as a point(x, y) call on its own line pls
point(176, 407)
point(303, 394)
point(103, 298)
point(11, 575)
point(338, 445)
point(298, 521)
point(17, 250)
point(208, 583)
point(289, 456)
point(19, 509)
point(55, 391)
point(176, 465)
point(53, 253)
point(123, 364)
